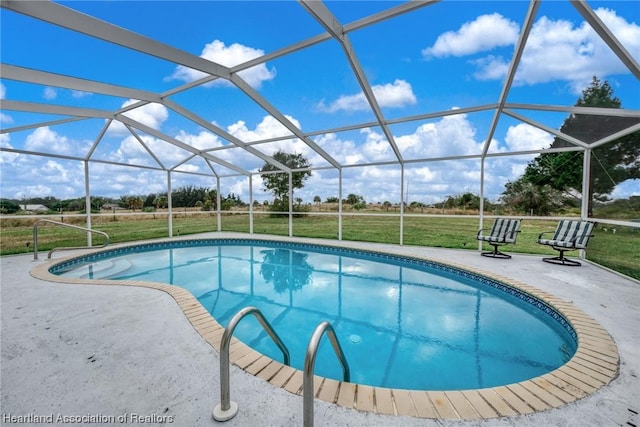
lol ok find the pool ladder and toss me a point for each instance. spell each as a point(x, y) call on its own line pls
point(227, 409)
point(48, 221)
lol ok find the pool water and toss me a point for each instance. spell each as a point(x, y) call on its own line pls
point(402, 323)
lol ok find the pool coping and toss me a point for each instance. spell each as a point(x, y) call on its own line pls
point(594, 365)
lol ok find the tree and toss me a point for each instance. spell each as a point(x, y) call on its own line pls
point(531, 199)
point(75, 205)
point(469, 200)
point(8, 206)
point(278, 183)
point(161, 201)
point(354, 199)
point(135, 202)
point(611, 163)
point(317, 200)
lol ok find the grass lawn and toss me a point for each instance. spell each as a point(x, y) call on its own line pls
point(619, 251)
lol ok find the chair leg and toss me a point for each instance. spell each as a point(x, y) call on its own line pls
point(495, 253)
point(561, 260)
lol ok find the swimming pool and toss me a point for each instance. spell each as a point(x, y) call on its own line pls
point(403, 323)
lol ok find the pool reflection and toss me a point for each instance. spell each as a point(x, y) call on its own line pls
point(285, 269)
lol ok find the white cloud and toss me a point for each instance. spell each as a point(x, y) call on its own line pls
point(625, 189)
point(132, 152)
point(558, 50)
point(266, 129)
point(490, 67)
point(151, 114)
point(116, 181)
point(37, 190)
point(429, 183)
point(4, 118)
point(448, 136)
point(50, 93)
point(53, 170)
point(375, 147)
point(390, 95)
point(269, 127)
point(203, 140)
point(345, 151)
point(424, 174)
point(6, 157)
point(36, 176)
point(628, 33)
point(229, 56)
point(394, 95)
point(47, 140)
point(80, 94)
point(480, 35)
point(524, 137)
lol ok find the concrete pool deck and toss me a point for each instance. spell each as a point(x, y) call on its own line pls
point(129, 353)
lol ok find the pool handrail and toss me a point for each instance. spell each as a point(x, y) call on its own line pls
point(228, 409)
point(35, 237)
point(309, 363)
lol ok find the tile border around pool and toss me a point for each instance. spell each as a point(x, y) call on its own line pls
point(594, 365)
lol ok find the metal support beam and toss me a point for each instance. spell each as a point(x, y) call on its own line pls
point(290, 204)
point(218, 202)
point(586, 190)
point(28, 75)
point(402, 203)
point(250, 204)
point(63, 16)
point(87, 202)
point(481, 220)
point(607, 36)
point(170, 203)
point(511, 73)
point(339, 204)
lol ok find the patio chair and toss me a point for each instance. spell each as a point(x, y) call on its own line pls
point(569, 235)
point(503, 232)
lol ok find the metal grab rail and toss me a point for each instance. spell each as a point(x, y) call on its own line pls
point(309, 363)
point(35, 237)
point(228, 409)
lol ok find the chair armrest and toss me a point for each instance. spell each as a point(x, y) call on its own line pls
point(544, 232)
point(480, 232)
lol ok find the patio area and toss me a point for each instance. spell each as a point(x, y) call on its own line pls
point(127, 355)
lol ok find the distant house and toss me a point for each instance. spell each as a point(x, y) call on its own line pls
point(110, 207)
point(34, 208)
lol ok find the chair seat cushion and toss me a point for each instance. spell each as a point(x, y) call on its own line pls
point(494, 239)
point(560, 244)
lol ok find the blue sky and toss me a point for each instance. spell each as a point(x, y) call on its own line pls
point(445, 56)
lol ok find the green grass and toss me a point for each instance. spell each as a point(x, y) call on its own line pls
point(619, 251)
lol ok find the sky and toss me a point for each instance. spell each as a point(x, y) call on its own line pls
point(440, 58)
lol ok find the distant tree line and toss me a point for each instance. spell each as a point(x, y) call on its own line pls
point(184, 197)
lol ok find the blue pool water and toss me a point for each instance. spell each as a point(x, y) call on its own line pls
point(402, 322)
